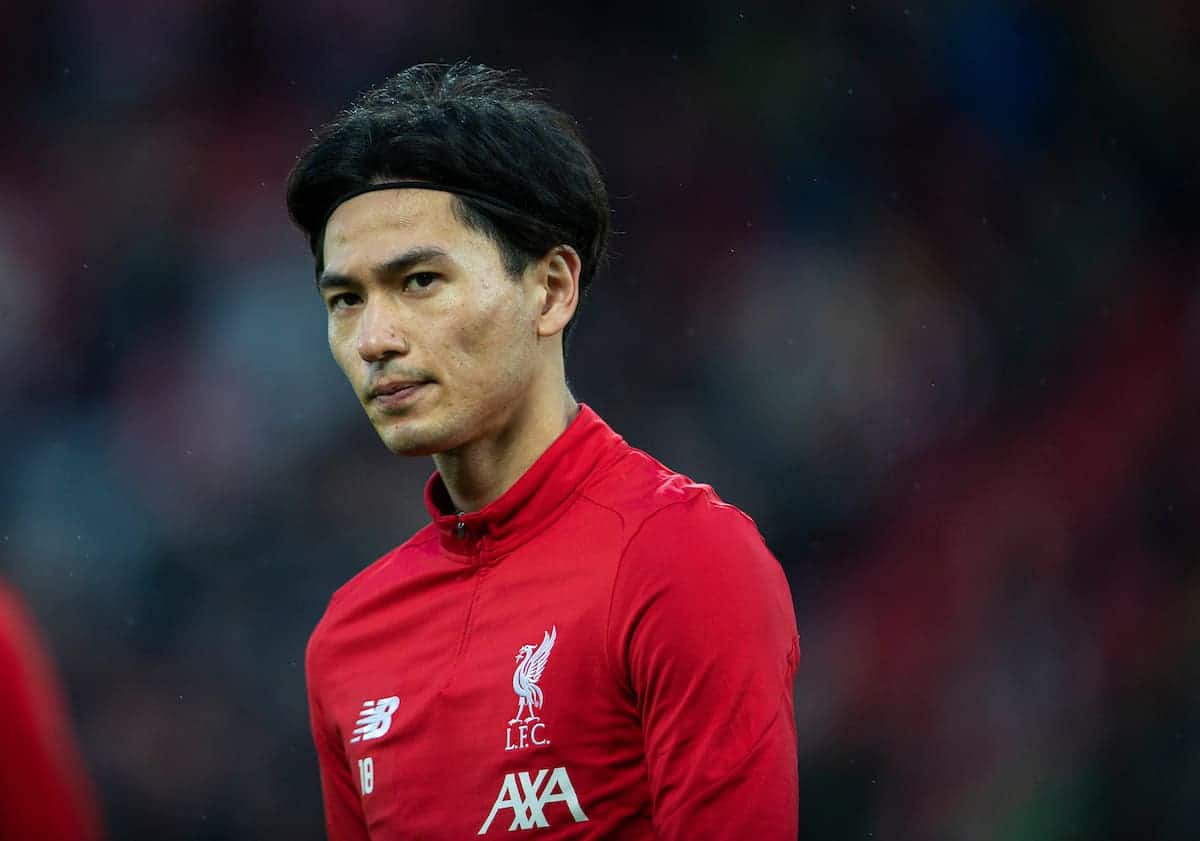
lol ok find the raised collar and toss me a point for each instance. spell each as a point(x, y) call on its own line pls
point(532, 503)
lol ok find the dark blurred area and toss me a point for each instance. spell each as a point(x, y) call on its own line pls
point(914, 285)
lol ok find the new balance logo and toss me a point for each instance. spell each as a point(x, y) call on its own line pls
point(375, 718)
point(521, 794)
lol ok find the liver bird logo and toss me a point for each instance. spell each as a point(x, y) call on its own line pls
point(531, 663)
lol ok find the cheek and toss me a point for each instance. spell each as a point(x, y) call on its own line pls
point(341, 347)
point(492, 341)
point(489, 322)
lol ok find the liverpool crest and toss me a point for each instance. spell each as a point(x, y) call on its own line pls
point(527, 728)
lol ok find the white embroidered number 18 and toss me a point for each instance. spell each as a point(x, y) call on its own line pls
point(366, 775)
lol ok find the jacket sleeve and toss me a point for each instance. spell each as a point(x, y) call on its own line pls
point(344, 819)
point(703, 630)
point(44, 791)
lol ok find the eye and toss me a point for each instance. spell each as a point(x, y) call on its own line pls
point(343, 300)
point(420, 281)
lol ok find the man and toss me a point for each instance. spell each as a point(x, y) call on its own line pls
point(44, 790)
point(581, 643)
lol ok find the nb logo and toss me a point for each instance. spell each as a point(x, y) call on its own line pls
point(375, 718)
point(528, 799)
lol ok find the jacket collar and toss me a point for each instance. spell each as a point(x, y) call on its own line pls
point(532, 503)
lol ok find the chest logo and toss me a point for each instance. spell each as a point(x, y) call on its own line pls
point(528, 796)
point(375, 718)
point(527, 728)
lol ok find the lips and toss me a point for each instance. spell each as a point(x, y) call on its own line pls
point(394, 387)
point(394, 394)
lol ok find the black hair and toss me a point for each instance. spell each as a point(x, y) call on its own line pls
point(471, 127)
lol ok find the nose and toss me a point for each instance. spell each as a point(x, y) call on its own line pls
point(380, 332)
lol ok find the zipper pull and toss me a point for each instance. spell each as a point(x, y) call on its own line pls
point(460, 529)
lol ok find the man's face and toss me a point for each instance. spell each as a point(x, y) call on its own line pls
point(439, 342)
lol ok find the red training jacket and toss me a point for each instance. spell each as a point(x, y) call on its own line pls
point(606, 651)
point(44, 792)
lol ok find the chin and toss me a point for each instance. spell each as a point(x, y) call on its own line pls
point(408, 445)
point(413, 441)
point(413, 449)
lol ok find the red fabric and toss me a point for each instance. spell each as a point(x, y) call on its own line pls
point(43, 790)
point(666, 692)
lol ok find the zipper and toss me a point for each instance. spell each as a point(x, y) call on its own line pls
point(464, 641)
point(478, 573)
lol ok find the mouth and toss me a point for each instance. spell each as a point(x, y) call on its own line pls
point(396, 394)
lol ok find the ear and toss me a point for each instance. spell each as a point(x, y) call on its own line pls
point(560, 289)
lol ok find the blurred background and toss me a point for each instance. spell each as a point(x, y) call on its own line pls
point(915, 285)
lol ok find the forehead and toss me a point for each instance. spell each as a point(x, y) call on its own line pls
point(374, 226)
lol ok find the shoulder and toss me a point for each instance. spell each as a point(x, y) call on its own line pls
point(640, 488)
point(680, 540)
point(658, 504)
point(694, 568)
point(387, 565)
point(698, 541)
point(365, 583)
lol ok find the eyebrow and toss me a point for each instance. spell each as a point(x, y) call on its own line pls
point(396, 265)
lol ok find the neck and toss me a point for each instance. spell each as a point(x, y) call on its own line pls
point(478, 473)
